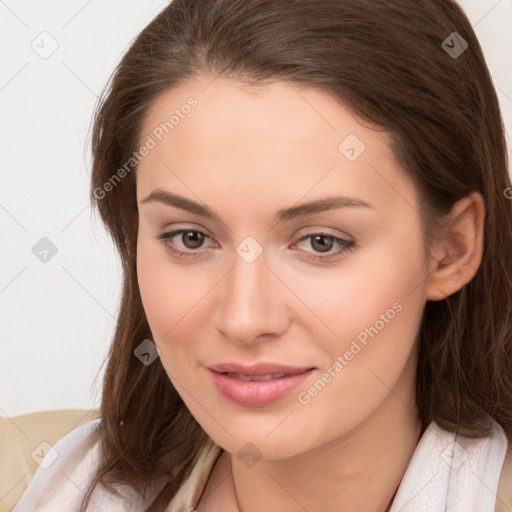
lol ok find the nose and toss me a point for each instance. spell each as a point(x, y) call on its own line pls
point(254, 303)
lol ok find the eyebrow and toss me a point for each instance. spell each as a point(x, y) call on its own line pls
point(285, 214)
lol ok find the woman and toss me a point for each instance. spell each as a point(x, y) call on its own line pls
point(310, 203)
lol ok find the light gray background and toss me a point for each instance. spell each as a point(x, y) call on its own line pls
point(57, 318)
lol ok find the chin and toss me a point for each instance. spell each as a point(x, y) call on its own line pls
point(265, 436)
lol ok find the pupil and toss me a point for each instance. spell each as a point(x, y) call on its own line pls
point(197, 239)
point(322, 247)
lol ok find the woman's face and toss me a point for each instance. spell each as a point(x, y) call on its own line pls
point(336, 289)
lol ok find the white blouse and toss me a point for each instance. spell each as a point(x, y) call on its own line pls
point(447, 473)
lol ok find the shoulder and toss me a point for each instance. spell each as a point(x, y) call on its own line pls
point(504, 497)
point(65, 472)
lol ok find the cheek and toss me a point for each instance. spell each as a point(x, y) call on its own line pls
point(373, 320)
point(173, 301)
point(154, 284)
point(369, 321)
point(347, 303)
point(162, 296)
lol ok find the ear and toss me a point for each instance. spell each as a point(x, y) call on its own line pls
point(458, 253)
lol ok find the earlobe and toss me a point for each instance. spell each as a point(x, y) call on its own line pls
point(459, 253)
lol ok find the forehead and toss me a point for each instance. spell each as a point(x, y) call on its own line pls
point(261, 139)
point(279, 112)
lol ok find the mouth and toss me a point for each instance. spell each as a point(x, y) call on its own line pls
point(268, 376)
point(259, 369)
point(261, 389)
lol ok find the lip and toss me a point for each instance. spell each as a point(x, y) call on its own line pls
point(257, 393)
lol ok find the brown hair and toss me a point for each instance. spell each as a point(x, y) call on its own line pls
point(385, 60)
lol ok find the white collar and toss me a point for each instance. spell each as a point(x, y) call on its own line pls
point(453, 473)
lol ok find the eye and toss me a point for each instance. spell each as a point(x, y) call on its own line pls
point(192, 239)
point(323, 242)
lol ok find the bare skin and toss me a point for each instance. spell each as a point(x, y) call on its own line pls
point(247, 153)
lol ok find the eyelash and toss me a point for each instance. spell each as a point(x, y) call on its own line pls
point(347, 245)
